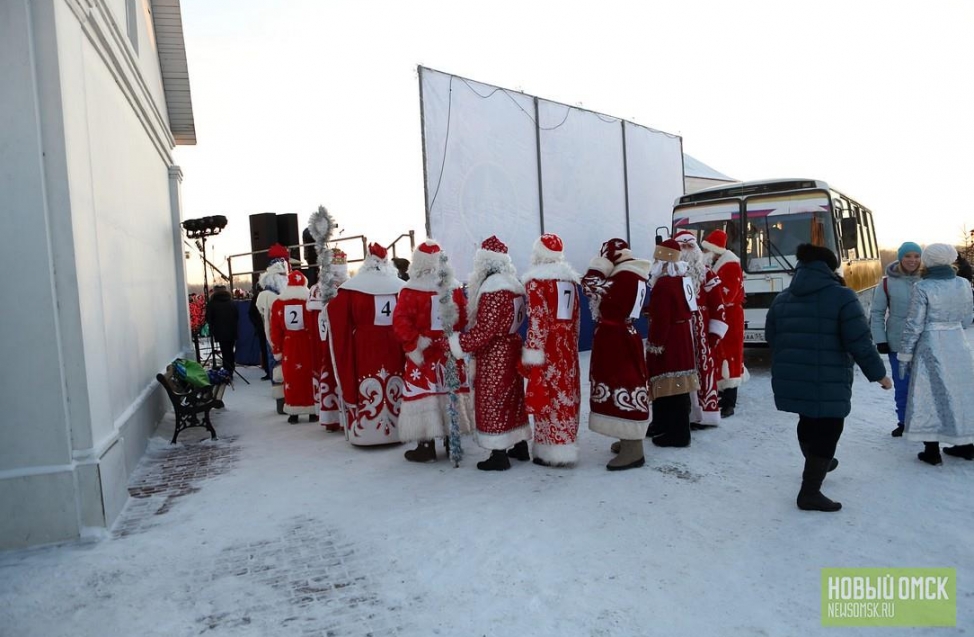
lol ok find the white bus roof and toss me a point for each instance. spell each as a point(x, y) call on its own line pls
point(742, 188)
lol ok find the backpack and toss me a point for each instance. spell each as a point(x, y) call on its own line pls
point(191, 372)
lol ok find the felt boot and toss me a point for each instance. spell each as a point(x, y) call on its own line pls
point(498, 461)
point(810, 496)
point(630, 456)
point(425, 451)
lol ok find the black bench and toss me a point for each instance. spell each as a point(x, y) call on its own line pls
point(189, 402)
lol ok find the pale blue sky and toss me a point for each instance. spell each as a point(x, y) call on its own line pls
point(301, 102)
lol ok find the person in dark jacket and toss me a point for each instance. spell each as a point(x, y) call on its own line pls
point(816, 329)
point(221, 314)
point(253, 313)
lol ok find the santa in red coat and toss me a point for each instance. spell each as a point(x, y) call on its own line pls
point(367, 356)
point(418, 324)
point(550, 355)
point(496, 311)
point(293, 341)
point(616, 286)
point(709, 326)
point(334, 272)
point(729, 355)
point(669, 347)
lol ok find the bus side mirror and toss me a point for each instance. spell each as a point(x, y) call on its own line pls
point(850, 232)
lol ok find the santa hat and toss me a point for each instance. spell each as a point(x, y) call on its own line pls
point(716, 242)
point(668, 251)
point(378, 251)
point(493, 244)
point(548, 248)
point(426, 258)
point(297, 279)
point(277, 251)
point(685, 238)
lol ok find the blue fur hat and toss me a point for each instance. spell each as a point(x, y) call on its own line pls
point(909, 246)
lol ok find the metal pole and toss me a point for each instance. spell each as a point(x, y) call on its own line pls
point(422, 135)
point(625, 180)
point(537, 144)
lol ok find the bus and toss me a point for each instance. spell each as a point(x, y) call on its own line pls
point(766, 221)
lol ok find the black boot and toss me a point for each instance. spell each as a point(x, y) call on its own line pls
point(425, 451)
point(832, 465)
point(961, 451)
point(292, 419)
point(520, 451)
point(931, 453)
point(898, 432)
point(810, 496)
point(654, 430)
point(312, 418)
point(498, 461)
point(728, 401)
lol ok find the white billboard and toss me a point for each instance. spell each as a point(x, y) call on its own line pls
point(499, 162)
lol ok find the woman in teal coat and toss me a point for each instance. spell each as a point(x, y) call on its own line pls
point(816, 329)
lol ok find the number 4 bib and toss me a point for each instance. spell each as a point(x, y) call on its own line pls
point(385, 305)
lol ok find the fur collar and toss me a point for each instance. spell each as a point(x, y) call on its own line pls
point(557, 271)
point(373, 282)
point(725, 258)
point(427, 284)
point(497, 282)
point(640, 267)
point(292, 292)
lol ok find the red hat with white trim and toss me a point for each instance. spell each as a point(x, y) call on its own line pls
point(716, 241)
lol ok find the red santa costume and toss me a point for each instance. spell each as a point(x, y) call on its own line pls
point(669, 347)
point(272, 282)
point(496, 312)
point(709, 326)
point(326, 389)
point(367, 357)
point(293, 336)
point(616, 286)
point(729, 355)
point(550, 353)
point(418, 325)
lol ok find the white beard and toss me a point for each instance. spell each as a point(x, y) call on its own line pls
point(696, 265)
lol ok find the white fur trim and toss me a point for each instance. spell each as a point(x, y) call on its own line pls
point(427, 284)
point(558, 271)
point(416, 356)
point(640, 267)
point(558, 455)
point(725, 370)
point(532, 357)
point(297, 410)
point(428, 417)
point(706, 245)
point(455, 347)
point(717, 327)
point(277, 376)
point(293, 292)
point(423, 342)
point(601, 264)
point(373, 282)
point(708, 418)
point(501, 281)
point(278, 357)
point(725, 258)
point(496, 442)
point(541, 254)
point(729, 383)
point(423, 265)
point(618, 427)
point(904, 358)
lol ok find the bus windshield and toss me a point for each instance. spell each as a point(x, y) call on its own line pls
point(776, 226)
point(702, 219)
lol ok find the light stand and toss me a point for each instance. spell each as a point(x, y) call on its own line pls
point(200, 229)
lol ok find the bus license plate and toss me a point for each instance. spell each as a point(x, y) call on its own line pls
point(753, 336)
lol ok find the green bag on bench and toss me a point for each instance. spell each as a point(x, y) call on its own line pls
point(191, 372)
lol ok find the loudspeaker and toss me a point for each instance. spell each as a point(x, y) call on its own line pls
point(288, 234)
point(263, 234)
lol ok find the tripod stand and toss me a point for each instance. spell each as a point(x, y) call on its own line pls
point(200, 229)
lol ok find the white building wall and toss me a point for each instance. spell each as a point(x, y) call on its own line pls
point(99, 269)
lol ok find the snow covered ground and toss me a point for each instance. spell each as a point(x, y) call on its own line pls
point(281, 529)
